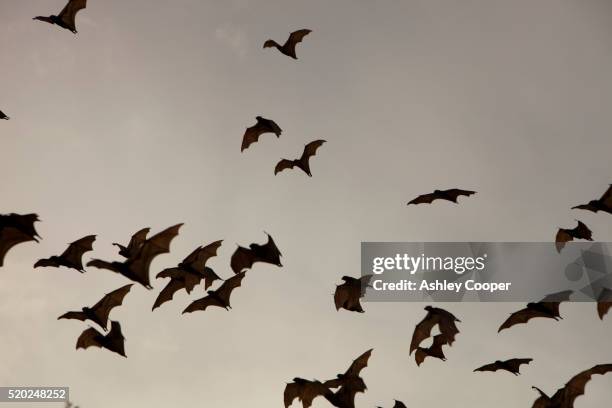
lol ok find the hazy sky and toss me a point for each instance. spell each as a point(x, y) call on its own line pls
point(137, 121)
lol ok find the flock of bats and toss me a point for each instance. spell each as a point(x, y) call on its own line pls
point(340, 391)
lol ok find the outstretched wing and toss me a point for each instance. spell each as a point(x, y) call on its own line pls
point(399, 404)
point(575, 387)
point(111, 300)
point(515, 363)
point(68, 14)
point(74, 253)
point(522, 316)
point(294, 39)
point(202, 304)
point(604, 302)
point(242, 258)
point(284, 164)
point(90, 337)
point(9, 237)
point(74, 315)
point(489, 367)
point(422, 330)
point(135, 243)
point(226, 288)
point(606, 198)
point(198, 258)
point(167, 293)
point(454, 193)
point(304, 390)
point(311, 149)
point(358, 364)
point(251, 135)
point(424, 199)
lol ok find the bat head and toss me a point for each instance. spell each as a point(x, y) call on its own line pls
point(429, 308)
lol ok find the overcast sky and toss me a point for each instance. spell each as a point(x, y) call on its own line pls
point(137, 121)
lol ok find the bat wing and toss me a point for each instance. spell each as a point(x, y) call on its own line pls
point(606, 198)
point(167, 293)
point(358, 364)
point(294, 39)
point(68, 14)
point(306, 391)
point(422, 330)
point(270, 252)
point(345, 396)
point(522, 316)
point(448, 330)
point(576, 386)
point(553, 301)
point(562, 237)
point(347, 296)
point(111, 300)
point(424, 199)
point(489, 367)
point(202, 304)
point(225, 290)
point(74, 315)
point(515, 363)
point(135, 243)
point(198, 258)
point(46, 263)
point(604, 302)
point(115, 340)
point(9, 237)
point(292, 391)
point(242, 258)
point(251, 135)
point(454, 193)
point(74, 254)
point(309, 151)
point(172, 273)
point(399, 404)
point(284, 164)
point(90, 337)
point(209, 277)
point(100, 264)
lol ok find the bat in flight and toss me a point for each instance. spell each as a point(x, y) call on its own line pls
point(219, 297)
point(72, 257)
point(135, 243)
point(446, 322)
point(349, 383)
point(16, 229)
point(604, 302)
point(113, 341)
point(347, 295)
point(288, 48)
point(547, 307)
point(512, 366)
point(398, 404)
point(565, 397)
point(136, 267)
point(189, 273)
point(3, 116)
point(435, 350)
point(263, 125)
point(565, 235)
point(244, 258)
point(604, 203)
point(303, 162)
point(66, 17)
point(99, 312)
point(449, 195)
point(305, 391)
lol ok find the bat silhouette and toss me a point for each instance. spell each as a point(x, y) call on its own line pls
point(604, 203)
point(565, 397)
point(136, 268)
point(564, 235)
point(288, 48)
point(305, 391)
point(435, 350)
point(349, 383)
point(263, 125)
point(189, 273)
point(16, 229)
point(113, 341)
point(66, 17)
point(219, 297)
point(347, 295)
point(547, 307)
point(3, 116)
point(512, 366)
point(99, 312)
point(244, 258)
point(435, 316)
point(449, 195)
point(134, 245)
point(303, 162)
point(604, 302)
point(72, 257)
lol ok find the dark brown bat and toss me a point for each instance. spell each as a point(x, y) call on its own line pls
point(136, 268)
point(449, 195)
point(219, 297)
point(16, 229)
point(66, 17)
point(435, 316)
point(565, 397)
point(189, 273)
point(134, 245)
point(113, 341)
point(512, 366)
point(547, 307)
point(349, 383)
point(604, 203)
point(72, 257)
point(244, 258)
point(564, 235)
point(604, 302)
point(3, 116)
point(347, 295)
point(435, 350)
point(263, 125)
point(288, 48)
point(305, 391)
point(303, 162)
point(99, 312)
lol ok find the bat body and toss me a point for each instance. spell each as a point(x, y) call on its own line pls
point(72, 257)
point(113, 341)
point(512, 366)
point(16, 229)
point(446, 322)
point(604, 203)
point(134, 245)
point(565, 397)
point(244, 258)
point(604, 302)
point(219, 297)
point(581, 231)
point(435, 350)
point(3, 116)
point(136, 268)
point(66, 18)
point(303, 162)
point(99, 312)
point(547, 307)
point(450, 195)
point(347, 295)
point(263, 125)
point(288, 48)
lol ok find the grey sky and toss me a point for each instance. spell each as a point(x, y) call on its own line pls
point(137, 121)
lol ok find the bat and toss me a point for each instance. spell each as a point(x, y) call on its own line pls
point(99, 312)
point(263, 125)
point(303, 162)
point(435, 350)
point(16, 229)
point(244, 258)
point(66, 17)
point(113, 341)
point(604, 203)
point(347, 295)
point(564, 235)
point(305, 391)
point(512, 366)
point(136, 268)
point(547, 307)
point(72, 257)
point(604, 302)
point(288, 48)
point(565, 397)
point(134, 245)
point(449, 195)
point(435, 316)
point(3, 116)
point(189, 273)
point(219, 297)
